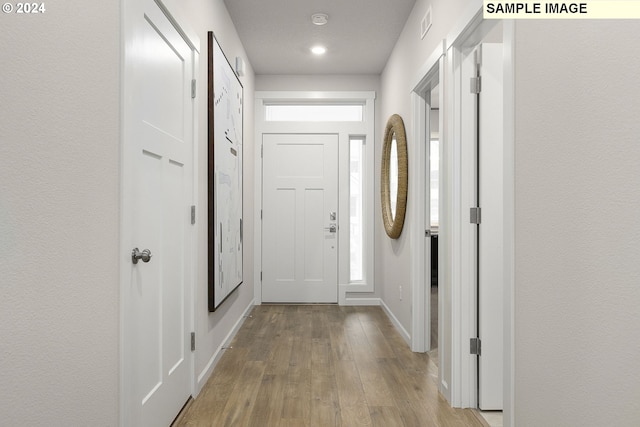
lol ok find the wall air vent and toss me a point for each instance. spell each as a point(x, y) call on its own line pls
point(426, 22)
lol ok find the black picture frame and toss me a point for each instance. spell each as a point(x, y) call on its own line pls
point(225, 177)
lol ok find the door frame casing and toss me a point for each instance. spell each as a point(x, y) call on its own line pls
point(464, 286)
point(130, 13)
point(456, 386)
point(344, 130)
point(490, 183)
point(421, 251)
point(464, 368)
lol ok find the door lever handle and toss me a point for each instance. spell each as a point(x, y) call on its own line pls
point(331, 229)
point(136, 255)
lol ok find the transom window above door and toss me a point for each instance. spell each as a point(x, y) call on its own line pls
point(304, 112)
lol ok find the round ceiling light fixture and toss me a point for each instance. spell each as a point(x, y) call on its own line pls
point(318, 50)
point(319, 18)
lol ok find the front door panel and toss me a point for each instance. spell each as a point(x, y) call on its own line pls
point(300, 198)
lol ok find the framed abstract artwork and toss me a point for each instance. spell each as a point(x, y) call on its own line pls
point(225, 248)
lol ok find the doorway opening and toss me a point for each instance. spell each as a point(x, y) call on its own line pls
point(429, 277)
point(480, 68)
point(433, 220)
point(457, 274)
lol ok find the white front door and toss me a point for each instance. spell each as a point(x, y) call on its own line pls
point(300, 217)
point(158, 192)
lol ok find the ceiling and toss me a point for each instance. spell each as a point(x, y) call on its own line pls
point(278, 34)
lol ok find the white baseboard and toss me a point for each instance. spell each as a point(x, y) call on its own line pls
point(360, 301)
point(215, 358)
point(403, 332)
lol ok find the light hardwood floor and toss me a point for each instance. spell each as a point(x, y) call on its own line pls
point(322, 365)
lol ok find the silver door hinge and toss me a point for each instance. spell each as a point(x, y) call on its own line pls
point(475, 216)
point(475, 346)
point(193, 341)
point(261, 276)
point(260, 213)
point(476, 84)
point(427, 233)
point(193, 214)
point(193, 88)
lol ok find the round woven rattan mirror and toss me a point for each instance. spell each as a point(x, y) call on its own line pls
point(394, 176)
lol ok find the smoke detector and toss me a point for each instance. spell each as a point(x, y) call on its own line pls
point(319, 18)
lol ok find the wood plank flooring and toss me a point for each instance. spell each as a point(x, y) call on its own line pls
point(322, 365)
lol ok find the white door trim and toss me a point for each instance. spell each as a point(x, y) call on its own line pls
point(344, 130)
point(490, 182)
point(421, 252)
point(463, 393)
point(175, 16)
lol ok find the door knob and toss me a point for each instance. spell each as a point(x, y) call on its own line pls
point(136, 255)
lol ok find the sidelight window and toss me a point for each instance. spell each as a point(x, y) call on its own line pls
point(356, 208)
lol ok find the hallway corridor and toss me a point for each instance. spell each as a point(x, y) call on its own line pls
point(322, 365)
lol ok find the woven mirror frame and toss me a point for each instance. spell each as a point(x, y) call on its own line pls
point(393, 223)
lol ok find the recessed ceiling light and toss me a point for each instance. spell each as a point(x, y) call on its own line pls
point(318, 50)
point(319, 18)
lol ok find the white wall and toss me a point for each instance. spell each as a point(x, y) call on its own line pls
point(213, 328)
point(393, 257)
point(59, 208)
point(577, 256)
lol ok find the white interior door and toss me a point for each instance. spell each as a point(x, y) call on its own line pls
point(158, 188)
point(300, 217)
point(490, 239)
